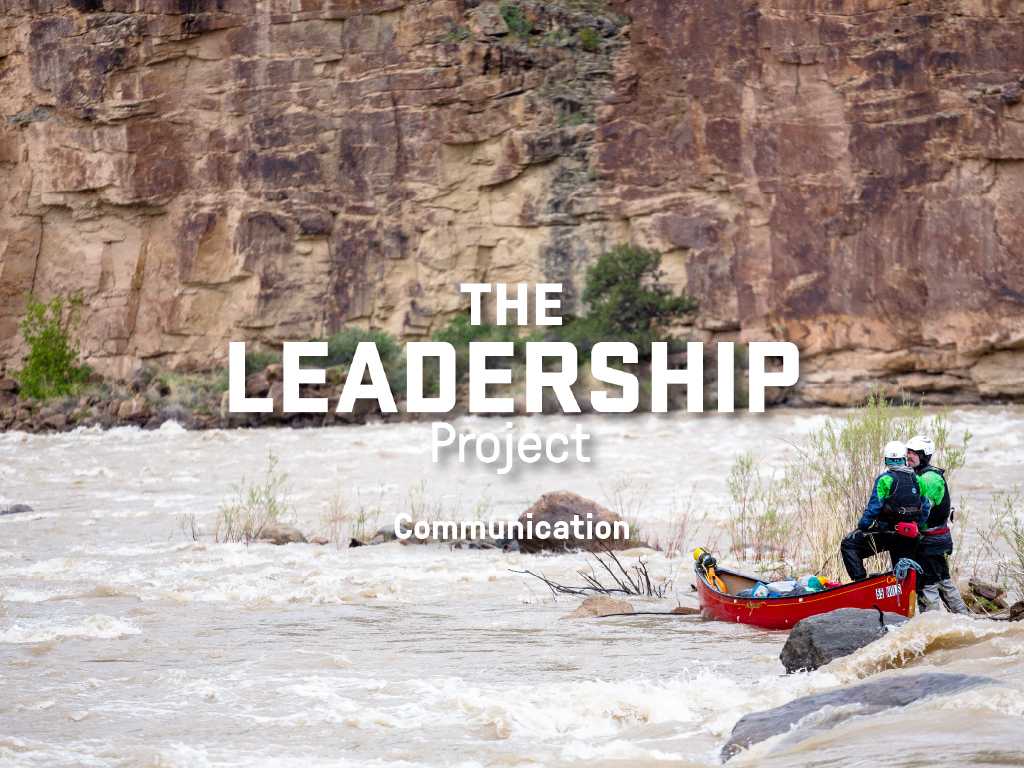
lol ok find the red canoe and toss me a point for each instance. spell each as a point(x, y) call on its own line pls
point(886, 591)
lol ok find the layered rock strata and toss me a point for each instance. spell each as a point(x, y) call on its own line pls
point(847, 175)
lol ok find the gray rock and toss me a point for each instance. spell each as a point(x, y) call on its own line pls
point(282, 533)
point(835, 707)
point(986, 589)
point(817, 640)
point(16, 509)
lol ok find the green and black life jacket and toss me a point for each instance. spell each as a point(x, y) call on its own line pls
point(903, 504)
point(938, 516)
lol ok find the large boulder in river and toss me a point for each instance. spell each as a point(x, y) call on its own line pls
point(817, 640)
point(282, 533)
point(844, 704)
point(563, 506)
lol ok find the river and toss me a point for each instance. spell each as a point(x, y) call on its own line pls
point(124, 641)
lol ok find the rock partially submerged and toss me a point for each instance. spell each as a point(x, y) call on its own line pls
point(16, 509)
point(563, 506)
point(986, 589)
point(837, 706)
point(282, 533)
point(817, 640)
point(983, 596)
point(600, 605)
point(686, 610)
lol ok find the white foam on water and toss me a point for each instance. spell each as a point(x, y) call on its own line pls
point(15, 595)
point(596, 709)
point(184, 756)
point(619, 749)
point(96, 626)
point(1004, 700)
point(912, 641)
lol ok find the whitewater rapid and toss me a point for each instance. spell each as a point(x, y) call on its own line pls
point(124, 641)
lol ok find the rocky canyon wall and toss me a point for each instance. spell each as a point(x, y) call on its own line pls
point(847, 175)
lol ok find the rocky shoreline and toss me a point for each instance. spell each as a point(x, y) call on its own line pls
point(148, 404)
point(199, 401)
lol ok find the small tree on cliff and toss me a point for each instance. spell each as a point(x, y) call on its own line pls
point(627, 302)
point(52, 367)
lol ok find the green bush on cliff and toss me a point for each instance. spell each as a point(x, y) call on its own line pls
point(626, 301)
point(257, 360)
point(590, 40)
point(52, 367)
point(516, 20)
point(341, 348)
point(459, 333)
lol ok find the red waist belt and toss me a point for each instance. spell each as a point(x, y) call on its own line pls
point(935, 531)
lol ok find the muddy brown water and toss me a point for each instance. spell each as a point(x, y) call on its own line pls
point(125, 642)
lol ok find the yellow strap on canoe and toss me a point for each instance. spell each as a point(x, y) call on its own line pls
point(717, 582)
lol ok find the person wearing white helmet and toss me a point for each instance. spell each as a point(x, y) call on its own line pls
point(891, 518)
point(936, 543)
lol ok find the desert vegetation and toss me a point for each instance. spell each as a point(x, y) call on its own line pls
point(256, 505)
point(52, 367)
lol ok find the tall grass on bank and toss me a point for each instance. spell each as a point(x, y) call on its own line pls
point(256, 506)
point(797, 516)
point(1003, 539)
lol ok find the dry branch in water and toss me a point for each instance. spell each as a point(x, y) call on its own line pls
point(638, 584)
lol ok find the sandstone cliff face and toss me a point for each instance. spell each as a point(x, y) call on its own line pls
point(845, 175)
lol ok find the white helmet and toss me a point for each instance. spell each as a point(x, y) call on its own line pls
point(921, 444)
point(895, 453)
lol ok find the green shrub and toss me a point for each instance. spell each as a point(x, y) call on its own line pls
point(555, 37)
point(626, 301)
point(257, 360)
point(255, 506)
point(52, 366)
point(516, 20)
point(459, 332)
point(590, 40)
point(341, 348)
